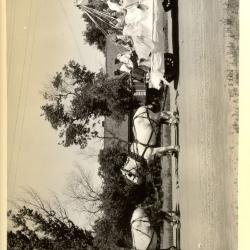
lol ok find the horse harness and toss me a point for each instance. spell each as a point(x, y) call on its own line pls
point(141, 162)
point(151, 237)
point(152, 122)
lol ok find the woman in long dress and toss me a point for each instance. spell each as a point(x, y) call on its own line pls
point(139, 27)
point(135, 13)
point(142, 41)
point(133, 10)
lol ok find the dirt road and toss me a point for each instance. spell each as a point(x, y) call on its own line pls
point(208, 125)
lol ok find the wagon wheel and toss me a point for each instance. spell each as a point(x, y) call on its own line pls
point(170, 66)
point(168, 5)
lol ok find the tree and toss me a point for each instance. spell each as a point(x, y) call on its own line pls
point(83, 193)
point(76, 99)
point(111, 160)
point(93, 35)
point(41, 225)
point(118, 200)
point(108, 236)
point(119, 197)
point(117, 191)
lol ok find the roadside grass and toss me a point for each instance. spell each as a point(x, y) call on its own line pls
point(231, 22)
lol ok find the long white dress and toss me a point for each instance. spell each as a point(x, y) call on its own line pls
point(125, 68)
point(125, 58)
point(134, 14)
point(143, 45)
point(139, 23)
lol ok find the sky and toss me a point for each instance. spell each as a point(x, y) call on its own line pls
point(42, 36)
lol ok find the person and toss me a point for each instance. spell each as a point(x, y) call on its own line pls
point(120, 22)
point(124, 58)
point(124, 41)
point(157, 79)
point(115, 6)
point(133, 11)
point(125, 68)
point(128, 46)
point(119, 73)
point(142, 43)
point(137, 74)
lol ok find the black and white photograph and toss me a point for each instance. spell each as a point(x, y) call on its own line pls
point(122, 124)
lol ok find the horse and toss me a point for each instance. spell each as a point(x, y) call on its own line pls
point(144, 236)
point(146, 125)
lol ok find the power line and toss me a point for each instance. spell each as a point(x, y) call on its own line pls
point(20, 91)
point(71, 29)
point(26, 95)
point(11, 37)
